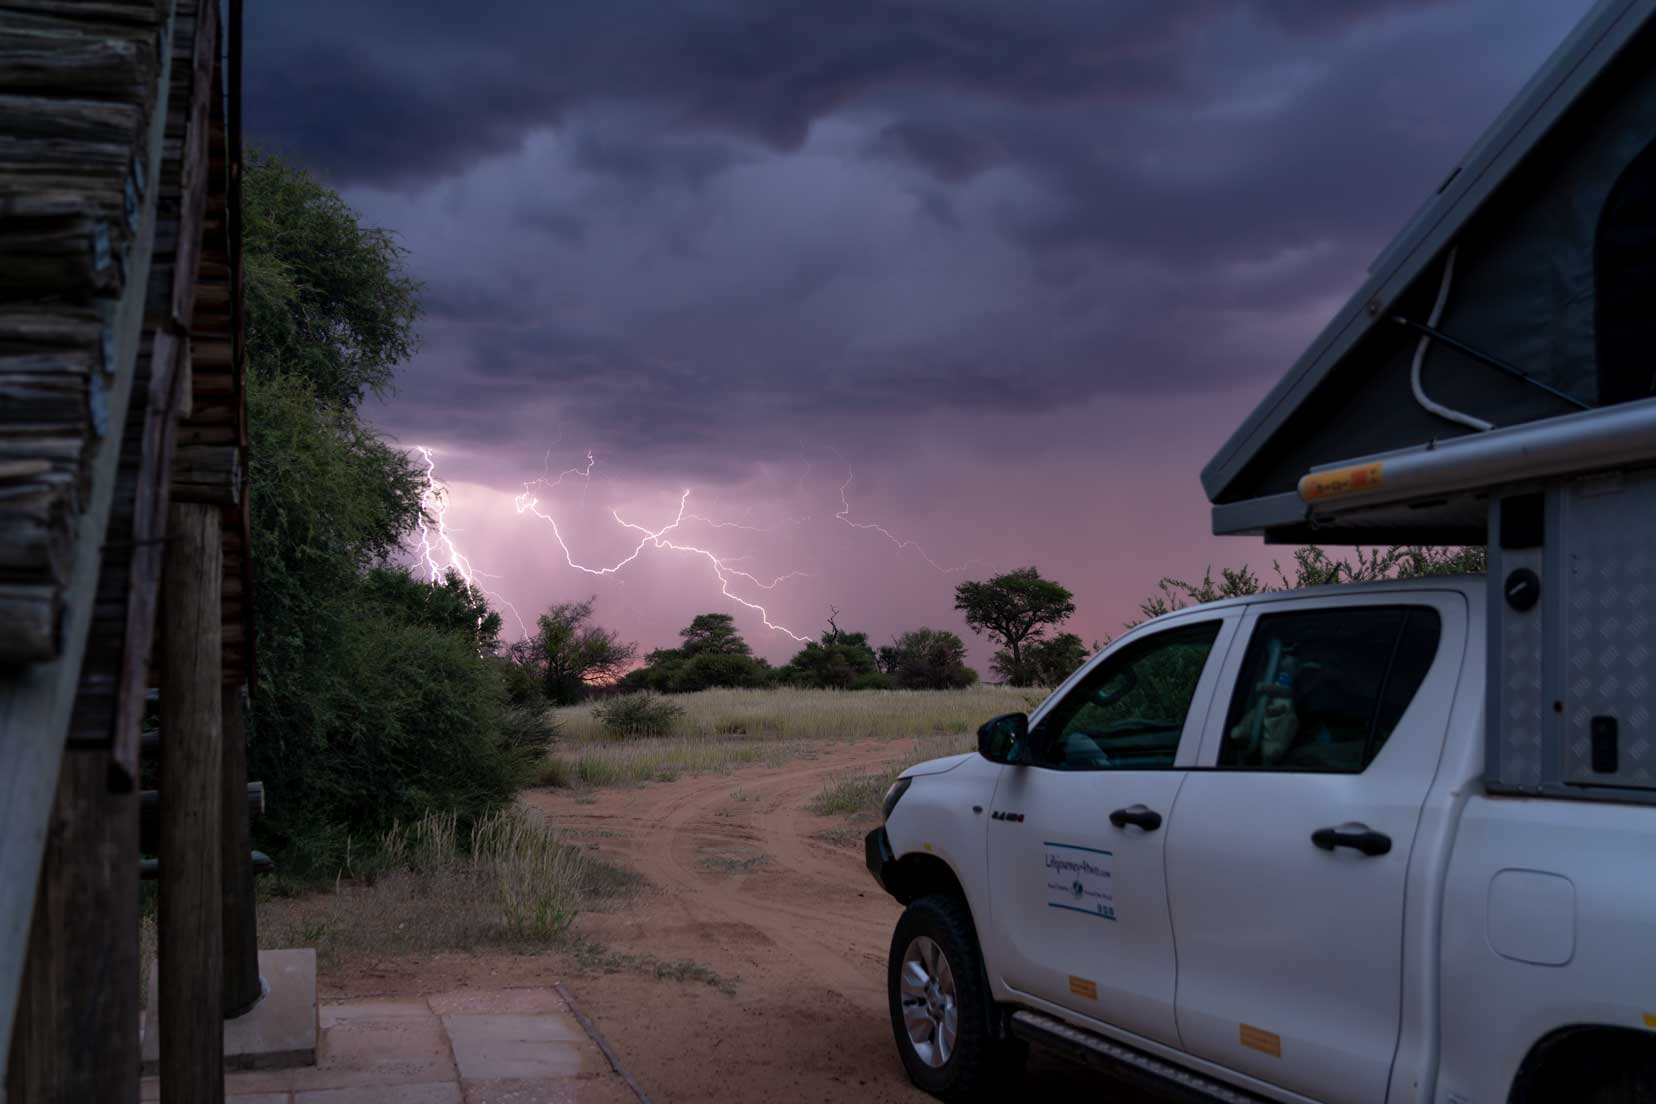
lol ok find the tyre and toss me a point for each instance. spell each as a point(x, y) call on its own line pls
point(941, 1011)
point(1618, 1075)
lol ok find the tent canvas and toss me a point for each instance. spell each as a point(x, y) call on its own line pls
point(1518, 294)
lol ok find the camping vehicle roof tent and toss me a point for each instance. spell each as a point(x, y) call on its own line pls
point(1494, 380)
point(1522, 292)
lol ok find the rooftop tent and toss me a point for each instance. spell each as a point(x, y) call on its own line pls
point(1523, 292)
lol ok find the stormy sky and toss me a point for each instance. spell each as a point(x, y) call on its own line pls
point(1016, 268)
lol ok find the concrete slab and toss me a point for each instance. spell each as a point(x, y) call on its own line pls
point(446, 1092)
point(493, 1048)
point(280, 1032)
point(556, 1090)
point(378, 1043)
point(496, 1002)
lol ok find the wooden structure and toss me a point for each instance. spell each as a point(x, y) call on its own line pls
point(122, 491)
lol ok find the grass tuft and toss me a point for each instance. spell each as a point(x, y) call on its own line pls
point(859, 795)
point(507, 882)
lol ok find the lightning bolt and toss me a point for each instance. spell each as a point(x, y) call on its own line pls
point(902, 543)
point(528, 503)
point(435, 546)
point(437, 552)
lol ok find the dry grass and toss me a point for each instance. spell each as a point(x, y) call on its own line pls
point(720, 730)
point(509, 883)
point(858, 795)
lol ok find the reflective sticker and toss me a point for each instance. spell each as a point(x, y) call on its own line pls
point(927, 846)
point(1081, 987)
point(1650, 1020)
point(1266, 1042)
point(1340, 481)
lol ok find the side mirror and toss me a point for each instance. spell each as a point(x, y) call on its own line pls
point(1004, 739)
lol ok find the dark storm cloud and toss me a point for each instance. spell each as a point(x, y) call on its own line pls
point(699, 232)
point(395, 91)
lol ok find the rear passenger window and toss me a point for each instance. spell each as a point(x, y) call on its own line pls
point(1323, 690)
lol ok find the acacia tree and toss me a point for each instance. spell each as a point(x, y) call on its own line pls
point(1016, 609)
point(1049, 662)
point(712, 634)
point(927, 659)
point(574, 654)
point(841, 660)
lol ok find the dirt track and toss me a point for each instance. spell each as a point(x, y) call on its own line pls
point(747, 883)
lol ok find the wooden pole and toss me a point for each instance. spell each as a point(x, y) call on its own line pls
point(76, 1037)
point(241, 930)
point(191, 935)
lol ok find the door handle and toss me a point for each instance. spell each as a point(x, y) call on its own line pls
point(1358, 837)
point(1148, 819)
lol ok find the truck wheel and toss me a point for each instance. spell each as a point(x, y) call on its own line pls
point(941, 1012)
point(1625, 1077)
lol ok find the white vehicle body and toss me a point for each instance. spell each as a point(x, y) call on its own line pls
point(1224, 942)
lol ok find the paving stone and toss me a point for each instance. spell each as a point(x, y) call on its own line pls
point(378, 1043)
point(492, 1048)
point(497, 1002)
point(446, 1092)
point(150, 1089)
point(403, 1008)
point(603, 1088)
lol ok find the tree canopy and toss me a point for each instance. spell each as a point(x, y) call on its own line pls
point(327, 298)
point(713, 655)
point(1014, 609)
point(573, 653)
point(840, 660)
point(713, 634)
point(927, 659)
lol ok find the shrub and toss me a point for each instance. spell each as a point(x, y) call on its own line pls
point(632, 715)
point(414, 722)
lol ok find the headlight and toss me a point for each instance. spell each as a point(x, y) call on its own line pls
point(898, 789)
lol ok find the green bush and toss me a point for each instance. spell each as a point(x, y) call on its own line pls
point(637, 715)
point(415, 723)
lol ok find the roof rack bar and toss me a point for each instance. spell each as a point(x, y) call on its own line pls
point(1567, 445)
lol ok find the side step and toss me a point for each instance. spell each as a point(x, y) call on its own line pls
point(1164, 1080)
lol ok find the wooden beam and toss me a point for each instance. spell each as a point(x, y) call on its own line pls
point(240, 918)
point(36, 702)
point(33, 616)
point(77, 1028)
point(207, 473)
point(190, 923)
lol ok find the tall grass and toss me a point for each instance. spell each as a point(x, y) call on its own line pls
point(799, 714)
point(507, 882)
point(719, 730)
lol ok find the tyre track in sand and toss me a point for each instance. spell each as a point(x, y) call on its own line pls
point(741, 884)
point(812, 902)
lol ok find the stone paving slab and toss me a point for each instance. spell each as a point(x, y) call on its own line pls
point(493, 1048)
point(505, 1046)
point(446, 1092)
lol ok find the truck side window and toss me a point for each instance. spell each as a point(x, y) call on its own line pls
point(1129, 711)
point(1323, 690)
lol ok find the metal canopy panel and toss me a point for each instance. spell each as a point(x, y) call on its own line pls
point(1523, 220)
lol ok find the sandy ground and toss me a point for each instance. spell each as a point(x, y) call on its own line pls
point(745, 882)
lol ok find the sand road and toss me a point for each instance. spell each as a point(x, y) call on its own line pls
point(747, 883)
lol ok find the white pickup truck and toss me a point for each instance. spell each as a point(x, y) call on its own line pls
point(1246, 853)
